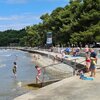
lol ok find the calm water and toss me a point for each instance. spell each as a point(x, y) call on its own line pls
point(26, 72)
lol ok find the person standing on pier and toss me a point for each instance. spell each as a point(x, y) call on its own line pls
point(14, 69)
point(93, 67)
point(93, 56)
point(88, 62)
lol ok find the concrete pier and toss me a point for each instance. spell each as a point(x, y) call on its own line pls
point(72, 88)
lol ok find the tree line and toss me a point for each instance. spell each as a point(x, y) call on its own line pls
point(76, 23)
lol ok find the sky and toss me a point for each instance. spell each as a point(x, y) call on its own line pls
point(17, 14)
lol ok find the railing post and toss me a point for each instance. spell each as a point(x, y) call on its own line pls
point(74, 68)
point(43, 75)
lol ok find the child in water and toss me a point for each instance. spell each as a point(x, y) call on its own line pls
point(38, 74)
point(14, 69)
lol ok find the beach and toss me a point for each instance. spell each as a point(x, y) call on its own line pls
point(56, 68)
point(53, 68)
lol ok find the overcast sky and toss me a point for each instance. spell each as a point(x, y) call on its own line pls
point(16, 14)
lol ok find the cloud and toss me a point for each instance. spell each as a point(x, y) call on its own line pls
point(8, 18)
point(18, 21)
point(14, 26)
point(52, 0)
point(25, 16)
point(10, 25)
point(25, 1)
point(16, 1)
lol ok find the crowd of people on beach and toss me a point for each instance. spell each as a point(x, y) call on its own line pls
point(90, 57)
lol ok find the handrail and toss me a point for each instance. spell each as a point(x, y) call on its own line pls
point(56, 75)
point(81, 62)
point(81, 67)
point(51, 65)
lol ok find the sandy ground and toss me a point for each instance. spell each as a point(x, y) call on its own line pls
point(54, 68)
point(41, 60)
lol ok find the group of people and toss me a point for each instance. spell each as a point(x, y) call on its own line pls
point(72, 51)
point(90, 55)
point(91, 60)
point(14, 70)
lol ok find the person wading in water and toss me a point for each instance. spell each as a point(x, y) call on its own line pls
point(14, 69)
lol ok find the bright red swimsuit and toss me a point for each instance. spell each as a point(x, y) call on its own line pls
point(88, 60)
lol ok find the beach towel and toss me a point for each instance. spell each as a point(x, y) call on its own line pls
point(85, 77)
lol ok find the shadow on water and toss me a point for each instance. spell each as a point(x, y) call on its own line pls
point(40, 85)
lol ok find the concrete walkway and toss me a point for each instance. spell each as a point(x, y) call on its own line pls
point(71, 88)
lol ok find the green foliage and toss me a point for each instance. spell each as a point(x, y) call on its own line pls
point(11, 36)
point(77, 22)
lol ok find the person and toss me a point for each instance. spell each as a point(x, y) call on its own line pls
point(93, 67)
point(14, 69)
point(77, 51)
point(68, 50)
point(38, 74)
point(35, 57)
point(54, 59)
point(86, 49)
point(62, 53)
point(88, 62)
point(81, 74)
point(93, 56)
point(74, 52)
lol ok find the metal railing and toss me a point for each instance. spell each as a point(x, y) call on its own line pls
point(52, 74)
point(59, 75)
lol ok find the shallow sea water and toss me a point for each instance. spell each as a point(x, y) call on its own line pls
point(11, 87)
